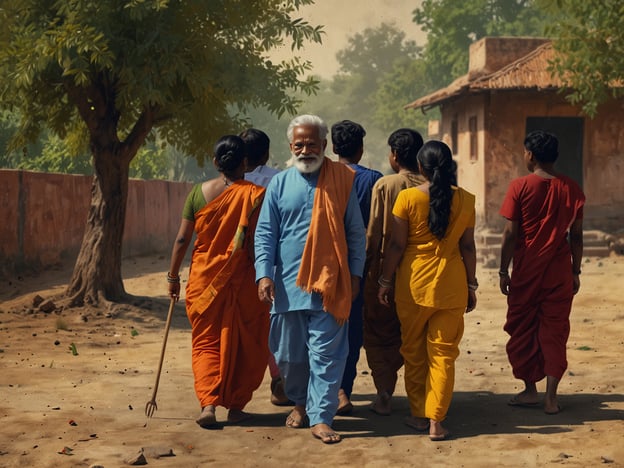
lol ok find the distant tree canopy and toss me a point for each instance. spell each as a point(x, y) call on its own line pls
point(369, 67)
point(103, 75)
point(367, 63)
point(451, 27)
point(589, 35)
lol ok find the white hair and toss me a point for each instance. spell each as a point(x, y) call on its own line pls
point(307, 119)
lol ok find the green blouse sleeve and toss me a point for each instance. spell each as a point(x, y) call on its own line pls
point(194, 202)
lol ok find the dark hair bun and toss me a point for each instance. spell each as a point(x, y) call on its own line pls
point(229, 153)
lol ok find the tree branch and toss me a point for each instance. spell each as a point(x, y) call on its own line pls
point(139, 132)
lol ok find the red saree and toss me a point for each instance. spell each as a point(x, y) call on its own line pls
point(541, 291)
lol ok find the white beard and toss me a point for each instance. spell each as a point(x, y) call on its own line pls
point(306, 167)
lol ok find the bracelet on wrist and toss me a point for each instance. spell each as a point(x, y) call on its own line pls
point(172, 279)
point(473, 286)
point(503, 273)
point(384, 283)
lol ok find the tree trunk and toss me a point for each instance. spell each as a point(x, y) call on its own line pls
point(97, 273)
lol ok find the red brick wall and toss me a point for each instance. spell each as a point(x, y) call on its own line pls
point(42, 217)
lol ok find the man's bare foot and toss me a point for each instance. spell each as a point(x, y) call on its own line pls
point(381, 405)
point(420, 424)
point(207, 418)
point(296, 417)
point(344, 404)
point(437, 432)
point(236, 416)
point(524, 398)
point(325, 434)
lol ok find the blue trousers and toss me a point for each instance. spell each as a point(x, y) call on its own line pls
point(356, 339)
point(310, 349)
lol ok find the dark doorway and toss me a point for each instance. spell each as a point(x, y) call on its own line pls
point(569, 132)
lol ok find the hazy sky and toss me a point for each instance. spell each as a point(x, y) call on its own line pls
point(344, 18)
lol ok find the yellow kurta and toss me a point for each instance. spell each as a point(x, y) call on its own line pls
point(431, 272)
point(431, 297)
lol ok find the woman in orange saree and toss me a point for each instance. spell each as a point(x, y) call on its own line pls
point(230, 326)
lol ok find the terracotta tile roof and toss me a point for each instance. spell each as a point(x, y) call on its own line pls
point(528, 72)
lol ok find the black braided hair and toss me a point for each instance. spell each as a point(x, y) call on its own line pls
point(436, 161)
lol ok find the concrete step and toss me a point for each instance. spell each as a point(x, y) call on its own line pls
point(595, 244)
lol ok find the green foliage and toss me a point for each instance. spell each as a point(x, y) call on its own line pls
point(451, 27)
point(407, 81)
point(48, 154)
point(178, 66)
point(365, 64)
point(590, 41)
point(54, 155)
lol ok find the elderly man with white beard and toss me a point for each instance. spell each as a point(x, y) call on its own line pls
point(310, 253)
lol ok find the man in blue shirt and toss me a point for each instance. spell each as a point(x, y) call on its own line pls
point(310, 254)
point(348, 144)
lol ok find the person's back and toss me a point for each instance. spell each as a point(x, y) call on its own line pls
point(543, 205)
point(223, 315)
point(348, 144)
point(432, 264)
point(382, 330)
point(365, 180)
point(257, 145)
point(543, 234)
point(433, 247)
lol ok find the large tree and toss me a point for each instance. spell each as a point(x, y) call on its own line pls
point(452, 25)
point(109, 72)
point(589, 36)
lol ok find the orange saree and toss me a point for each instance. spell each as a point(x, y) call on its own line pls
point(230, 325)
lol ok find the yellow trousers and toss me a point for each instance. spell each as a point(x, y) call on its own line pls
point(430, 346)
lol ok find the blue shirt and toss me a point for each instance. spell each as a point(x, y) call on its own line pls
point(261, 175)
point(365, 178)
point(282, 232)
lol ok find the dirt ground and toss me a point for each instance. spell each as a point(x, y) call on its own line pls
point(74, 385)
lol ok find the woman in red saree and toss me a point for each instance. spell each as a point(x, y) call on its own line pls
point(230, 326)
point(544, 235)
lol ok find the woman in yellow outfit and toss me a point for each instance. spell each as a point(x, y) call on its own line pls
point(433, 253)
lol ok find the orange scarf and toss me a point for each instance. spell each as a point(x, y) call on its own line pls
point(324, 266)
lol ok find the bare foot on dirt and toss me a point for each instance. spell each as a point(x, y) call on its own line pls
point(296, 417)
point(382, 405)
point(344, 404)
point(325, 434)
point(437, 432)
point(420, 424)
point(524, 398)
point(551, 406)
point(207, 418)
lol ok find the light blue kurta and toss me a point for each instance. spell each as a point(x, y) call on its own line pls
point(309, 347)
point(282, 231)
